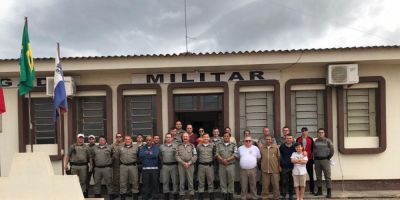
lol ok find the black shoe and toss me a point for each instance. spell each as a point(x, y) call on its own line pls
point(176, 196)
point(319, 192)
point(328, 193)
point(97, 196)
point(111, 196)
point(85, 194)
point(122, 196)
point(200, 195)
point(135, 196)
point(191, 197)
point(211, 196)
point(166, 196)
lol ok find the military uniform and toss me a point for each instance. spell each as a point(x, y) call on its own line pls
point(206, 155)
point(227, 172)
point(169, 167)
point(115, 167)
point(90, 173)
point(102, 156)
point(216, 141)
point(79, 156)
point(128, 156)
point(186, 153)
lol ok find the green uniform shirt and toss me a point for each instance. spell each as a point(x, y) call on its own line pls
point(128, 153)
point(227, 150)
point(206, 152)
point(186, 153)
point(102, 155)
point(79, 153)
point(168, 153)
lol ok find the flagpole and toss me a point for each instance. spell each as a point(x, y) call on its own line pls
point(30, 121)
point(61, 118)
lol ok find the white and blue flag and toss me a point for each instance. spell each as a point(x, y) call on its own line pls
point(59, 95)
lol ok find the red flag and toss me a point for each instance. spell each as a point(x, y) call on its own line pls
point(2, 103)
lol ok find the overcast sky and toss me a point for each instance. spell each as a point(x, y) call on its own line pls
point(122, 27)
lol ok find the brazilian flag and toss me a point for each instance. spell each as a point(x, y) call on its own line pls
point(27, 71)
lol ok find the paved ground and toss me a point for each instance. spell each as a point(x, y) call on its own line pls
point(381, 194)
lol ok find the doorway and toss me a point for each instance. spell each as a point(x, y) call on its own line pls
point(200, 110)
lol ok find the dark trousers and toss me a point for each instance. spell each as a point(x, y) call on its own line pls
point(150, 183)
point(310, 172)
point(287, 182)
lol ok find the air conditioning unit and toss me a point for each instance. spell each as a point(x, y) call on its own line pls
point(69, 85)
point(342, 74)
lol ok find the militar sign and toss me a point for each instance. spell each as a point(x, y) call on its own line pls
point(192, 77)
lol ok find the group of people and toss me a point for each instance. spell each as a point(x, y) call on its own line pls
point(204, 161)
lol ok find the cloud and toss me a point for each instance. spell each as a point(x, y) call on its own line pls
point(115, 27)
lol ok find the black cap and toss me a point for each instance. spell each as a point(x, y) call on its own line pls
point(304, 129)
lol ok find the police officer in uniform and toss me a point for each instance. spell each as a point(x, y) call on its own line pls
point(186, 155)
point(226, 154)
point(206, 155)
point(91, 144)
point(102, 157)
point(169, 168)
point(79, 157)
point(128, 156)
point(116, 176)
point(216, 139)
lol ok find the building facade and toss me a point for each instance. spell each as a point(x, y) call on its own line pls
point(243, 90)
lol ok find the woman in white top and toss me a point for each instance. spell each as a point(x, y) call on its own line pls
point(299, 159)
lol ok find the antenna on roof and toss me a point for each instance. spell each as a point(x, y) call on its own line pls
point(186, 36)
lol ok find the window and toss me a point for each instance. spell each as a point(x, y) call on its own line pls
point(91, 115)
point(198, 102)
point(256, 112)
point(308, 104)
point(307, 110)
point(42, 121)
point(140, 114)
point(359, 112)
point(139, 109)
point(257, 105)
point(362, 117)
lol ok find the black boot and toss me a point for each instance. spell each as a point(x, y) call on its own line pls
point(230, 196)
point(85, 194)
point(135, 196)
point(122, 196)
point(166, 196)
point(200, 195)
point(111, 196)
point(211, 195)
point(224, 196)
point(176, 196)
point(328, 193)
point(319, 192)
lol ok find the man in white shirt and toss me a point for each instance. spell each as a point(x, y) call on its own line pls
point(249, 155)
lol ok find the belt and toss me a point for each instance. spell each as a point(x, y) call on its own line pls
point(129, 164)
point(78, 164)
point(207, 163)
point(321, 158)
point(104, 166)
point(150, 168)
point(170, 163)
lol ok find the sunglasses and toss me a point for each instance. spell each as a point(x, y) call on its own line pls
point(247, 140)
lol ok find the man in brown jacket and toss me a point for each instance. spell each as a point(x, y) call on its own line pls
point(270, 168)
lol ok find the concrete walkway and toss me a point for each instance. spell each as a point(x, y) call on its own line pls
point(379, 194)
